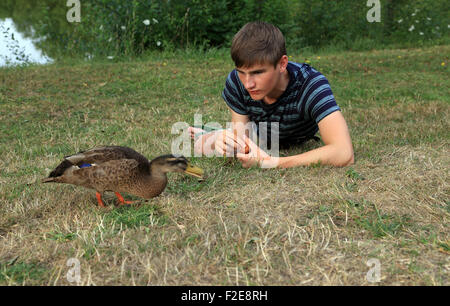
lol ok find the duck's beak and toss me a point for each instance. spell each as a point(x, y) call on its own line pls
point(194, 171)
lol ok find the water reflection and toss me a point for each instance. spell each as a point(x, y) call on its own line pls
point(16, 49)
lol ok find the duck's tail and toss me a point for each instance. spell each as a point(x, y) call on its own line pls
point(49, 180)
point(60, 169)
point(55, 175)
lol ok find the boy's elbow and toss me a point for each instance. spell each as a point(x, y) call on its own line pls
point(351, 160)
point(346, 159)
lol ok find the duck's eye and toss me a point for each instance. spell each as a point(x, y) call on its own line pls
point(181, 164)
point(175, 161)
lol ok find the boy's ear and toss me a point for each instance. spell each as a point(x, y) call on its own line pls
point(283, 62)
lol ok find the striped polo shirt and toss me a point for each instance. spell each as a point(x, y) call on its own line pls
point(307, 100)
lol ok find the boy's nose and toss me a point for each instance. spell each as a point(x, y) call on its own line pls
point(249, 83)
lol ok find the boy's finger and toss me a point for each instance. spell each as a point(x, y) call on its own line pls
point(248, 144)
point(235, 143)
point(229, 139)
point(239, 141)
point(223, 149)
point(241, 156)
point(220, 148)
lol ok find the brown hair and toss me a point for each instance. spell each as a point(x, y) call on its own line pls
point(257, 43)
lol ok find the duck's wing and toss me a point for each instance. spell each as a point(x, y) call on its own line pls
point(99, 155)
point(103, 154)
point(101, 177)
point(112, 175)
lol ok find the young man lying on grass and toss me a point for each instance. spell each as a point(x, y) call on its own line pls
point(266, 87)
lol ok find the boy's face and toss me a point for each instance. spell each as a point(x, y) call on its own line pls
point(263, 80)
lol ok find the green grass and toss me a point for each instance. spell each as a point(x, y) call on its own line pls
point(351, 173)
point(134, 217)
point(61, 237)
point(381, 225)
point(315, 225)
point(20, 272)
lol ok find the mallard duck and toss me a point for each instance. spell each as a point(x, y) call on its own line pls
point(119, 169)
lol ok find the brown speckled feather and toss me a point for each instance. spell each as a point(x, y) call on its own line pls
point(122, 175)
point(100, 155)
point(113, 168)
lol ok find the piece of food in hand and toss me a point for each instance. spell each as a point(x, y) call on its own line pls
point(247, 149)
point(238, 147)
point(233, 144)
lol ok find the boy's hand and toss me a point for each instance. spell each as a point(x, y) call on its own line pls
point(256, 156)
point(228, 144)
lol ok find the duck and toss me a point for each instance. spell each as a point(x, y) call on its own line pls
point(121, 170)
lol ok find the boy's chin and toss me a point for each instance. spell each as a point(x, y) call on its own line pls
point(256, 96)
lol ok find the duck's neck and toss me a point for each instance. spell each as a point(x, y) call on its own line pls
point(155, 184)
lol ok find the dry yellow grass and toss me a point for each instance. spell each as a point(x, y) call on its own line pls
point(304, 226)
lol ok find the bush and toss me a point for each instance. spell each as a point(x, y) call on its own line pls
point(117, 27)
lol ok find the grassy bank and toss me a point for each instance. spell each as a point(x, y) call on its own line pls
point(309, 225)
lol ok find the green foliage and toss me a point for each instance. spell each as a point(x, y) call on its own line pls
point(135, 217)
point(418, 21)
point(134, 26)
point(115, 27)
point(18, 272)
point(351, 173)
point(369, 217)
point(61, 237)
point(344, 23)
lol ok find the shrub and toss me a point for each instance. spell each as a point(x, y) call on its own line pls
point(117, 27)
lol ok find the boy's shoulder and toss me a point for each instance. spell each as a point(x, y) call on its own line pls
point(301, 71)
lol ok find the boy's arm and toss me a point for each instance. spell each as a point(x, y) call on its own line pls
point(338, 148)
point(337, 151)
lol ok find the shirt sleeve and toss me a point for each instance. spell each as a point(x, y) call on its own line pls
point(232, 94)
point(320, 100)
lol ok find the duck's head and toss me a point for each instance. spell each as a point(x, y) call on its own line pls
point(175, 163)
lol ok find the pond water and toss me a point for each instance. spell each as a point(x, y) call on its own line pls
point(16, 49)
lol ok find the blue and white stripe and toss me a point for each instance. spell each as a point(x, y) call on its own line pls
point(307, 100)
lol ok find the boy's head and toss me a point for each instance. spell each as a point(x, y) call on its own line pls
point(259, 53)
point(258, 43)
